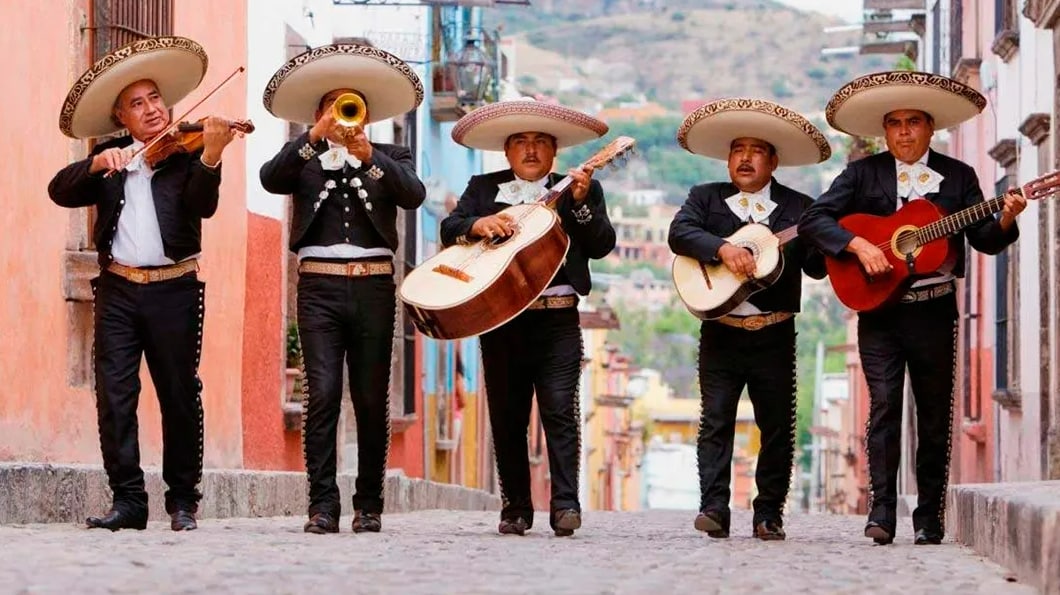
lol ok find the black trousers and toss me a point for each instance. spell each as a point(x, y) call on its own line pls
point(351, 319)
point(540, 352)
point(161, 322)
point(923, 337)
point(763, 361)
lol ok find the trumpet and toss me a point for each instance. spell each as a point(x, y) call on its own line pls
point(349, 110)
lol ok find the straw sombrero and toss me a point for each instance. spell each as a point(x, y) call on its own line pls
point(175, 64)
point(710, 130)
point(389, 85)
point(487, 127)
point(859, 106)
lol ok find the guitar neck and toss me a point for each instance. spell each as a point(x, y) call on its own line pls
point(788, 234)
point(952, 224)
point(556, 191)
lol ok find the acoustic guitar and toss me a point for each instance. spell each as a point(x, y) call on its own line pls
point(711, 290)
point(467, 290)
point(915, 241)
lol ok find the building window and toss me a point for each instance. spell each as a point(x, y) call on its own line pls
point(1006, 320)
point(120, 22)
point(970, 378)
point(936, 37)
point(956, 34)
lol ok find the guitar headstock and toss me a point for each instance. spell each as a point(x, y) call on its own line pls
point(1042, 186)
point(618, 149)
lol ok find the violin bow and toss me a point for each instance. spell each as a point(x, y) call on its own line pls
point(176, 121)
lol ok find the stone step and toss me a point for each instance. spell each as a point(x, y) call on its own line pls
point(42, 493)
point(1016, 525)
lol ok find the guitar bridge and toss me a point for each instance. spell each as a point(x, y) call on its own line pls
point(452, 272)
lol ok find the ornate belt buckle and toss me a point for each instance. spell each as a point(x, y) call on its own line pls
point(137, 276)
point(357, 269)
point(753, 323)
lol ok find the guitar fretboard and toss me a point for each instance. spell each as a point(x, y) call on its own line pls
point(954, 223)
point(787, 235)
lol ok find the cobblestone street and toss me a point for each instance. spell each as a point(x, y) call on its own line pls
point(460, 552)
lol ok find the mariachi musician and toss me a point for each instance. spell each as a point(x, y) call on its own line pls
point(920, 330)
point(539, 351)
point(752, 346)
point(347, 191)
point(149, 302)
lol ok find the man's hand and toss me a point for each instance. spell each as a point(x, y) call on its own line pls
point(871, 257)
point(739, 260)
point(499, 225)
point(580, 186)
point(327, 127)
point(1014, 205)
point(110, 159)
point(216, 134)
point(357, 143)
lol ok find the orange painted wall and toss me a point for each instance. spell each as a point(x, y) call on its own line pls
point(221, 29)
point(41, 416)
point(265, 443)
point(406, 448)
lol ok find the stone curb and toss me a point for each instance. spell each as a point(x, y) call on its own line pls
point(46, 493)
point(1016, 525)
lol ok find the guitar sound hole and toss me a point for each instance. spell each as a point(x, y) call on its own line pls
point(906, 242)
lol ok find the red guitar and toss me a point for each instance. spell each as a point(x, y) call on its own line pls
point(914, 240)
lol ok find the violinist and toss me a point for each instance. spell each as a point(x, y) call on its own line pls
point(347, 191)
point(148, 298)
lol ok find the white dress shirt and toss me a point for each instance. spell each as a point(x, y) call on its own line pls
point(138, 239)
point(915, 190)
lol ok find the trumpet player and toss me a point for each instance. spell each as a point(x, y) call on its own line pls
point(346, 192)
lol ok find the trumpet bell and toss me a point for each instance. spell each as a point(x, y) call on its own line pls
point(349, 110)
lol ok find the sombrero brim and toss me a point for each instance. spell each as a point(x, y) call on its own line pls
point(175, 64)
point(859, 106)
point(487, 127)
point(710, 130)
point(389, 85)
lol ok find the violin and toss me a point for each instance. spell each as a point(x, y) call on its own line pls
point(186, 138)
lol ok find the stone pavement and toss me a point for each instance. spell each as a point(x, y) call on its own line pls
point(459, 552)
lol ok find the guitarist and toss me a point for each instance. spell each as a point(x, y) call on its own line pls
point(539, 351)
point(920, 330)
point(753, 346)
point(346, 194)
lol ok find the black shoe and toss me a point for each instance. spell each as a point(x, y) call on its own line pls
point(880, 534)
point(928, 537)
point(182, 520)
point(712, 523)
point(566, 521)
point(770, 530)
point(117, 519)
point(516, 526)
point(321, 523)
point(367, 522)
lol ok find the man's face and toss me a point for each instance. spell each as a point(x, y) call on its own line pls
point(530, 154)
point(751, 163)
point(331, 96)
point(908, 134)
point(141, 110)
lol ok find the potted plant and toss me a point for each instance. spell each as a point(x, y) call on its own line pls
point(294, 362)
